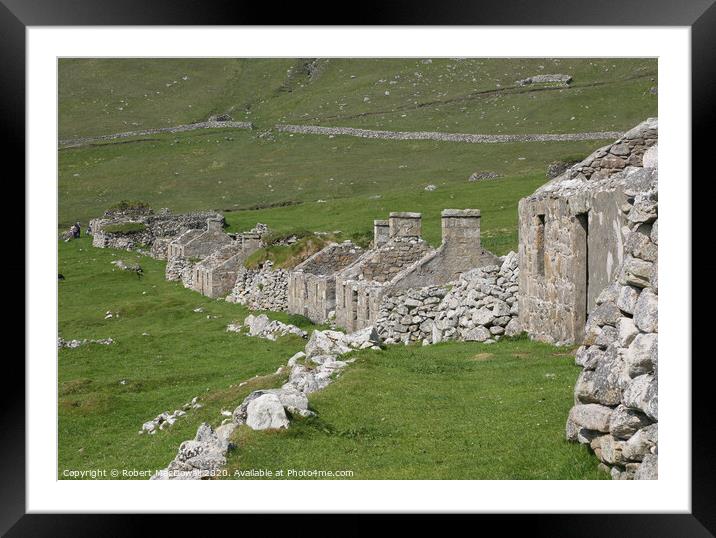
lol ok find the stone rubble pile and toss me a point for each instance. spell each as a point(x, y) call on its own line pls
point(201, 457)
point(166, 419)
point(72, 344)
point(261, 289)
point(310, 370)
point(616, 394)
point(263, 327)
point(480, 306)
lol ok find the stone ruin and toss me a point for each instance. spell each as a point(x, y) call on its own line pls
point(572, 233)
point(481, 306)
point(401, 260)
point(264, 288)
point(312, 284)
point(158, 229)
point(616, 394)
point(215, 275)
point(209, 261)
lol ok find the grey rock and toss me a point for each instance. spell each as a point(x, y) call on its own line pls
point(591, 417)
point(646, 315)
point(641, 356)
point(625, 422)
point(266, 412)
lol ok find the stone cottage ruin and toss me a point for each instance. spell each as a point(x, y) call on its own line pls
point(572, 232)
point(401, 259)
point(312, 284)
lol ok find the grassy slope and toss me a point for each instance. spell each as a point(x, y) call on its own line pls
point(462, 411)
point(103, 96)
point(234, 170)
point(185, 354)
point(459, 413)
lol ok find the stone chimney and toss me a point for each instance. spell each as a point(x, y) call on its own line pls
point(250, 241)
point(404, 224)
point(461, 227)
point(381, 232)
point(214, 225)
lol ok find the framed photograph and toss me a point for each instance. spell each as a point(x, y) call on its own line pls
point(407, 268)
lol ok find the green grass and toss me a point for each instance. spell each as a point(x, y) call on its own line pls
point(459, 410)
point(231, 171)
point(105, 393)
point(102, 96)
point(125, 228)
point(449, 411)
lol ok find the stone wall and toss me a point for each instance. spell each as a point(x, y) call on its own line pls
point(480, 306)
point(261, 289)
point(159, 228)
point(616, 394)
point(312, 284)
point(572, 233)
point(444, 137)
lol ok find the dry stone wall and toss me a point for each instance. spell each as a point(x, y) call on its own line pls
point(261, 289)
point(444, 137)
point(616, 394)
point(480, 306)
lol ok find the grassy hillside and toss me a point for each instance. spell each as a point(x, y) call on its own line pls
point(106, 393)
point(103, 96)
point(463, 411)
point(236, 170)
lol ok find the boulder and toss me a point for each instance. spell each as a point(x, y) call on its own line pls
point(266, 412)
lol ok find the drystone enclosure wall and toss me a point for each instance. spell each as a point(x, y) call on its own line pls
point(481, 305)
point(261, 289)
point(616, 395)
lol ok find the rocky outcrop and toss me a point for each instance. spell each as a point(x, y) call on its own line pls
point(480, 306)
point(616, 394)
point(261, 289)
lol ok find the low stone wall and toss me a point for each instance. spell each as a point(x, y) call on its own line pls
point(74, 142)
point(480, 306)
point(445, 137)
point(616, 394)
point(261, 289)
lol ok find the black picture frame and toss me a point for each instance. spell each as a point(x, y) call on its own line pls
point(699, 15)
